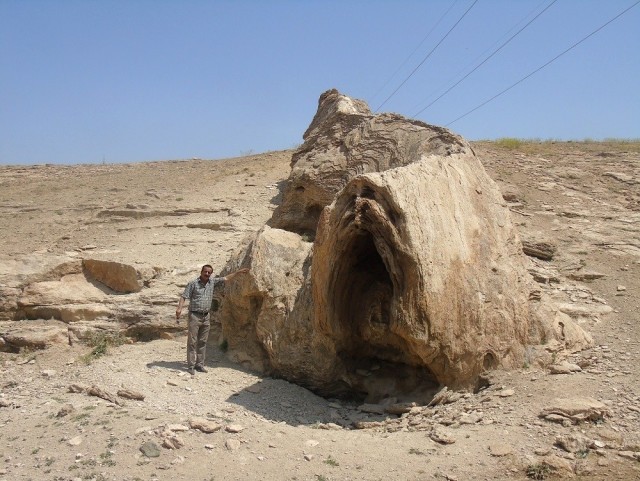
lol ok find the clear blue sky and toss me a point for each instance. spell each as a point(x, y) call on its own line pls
point(88, 81)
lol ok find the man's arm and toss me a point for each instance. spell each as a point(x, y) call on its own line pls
point(179, 309)
point(244, 270)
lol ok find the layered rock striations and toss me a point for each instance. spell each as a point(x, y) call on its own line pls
point(391, 265)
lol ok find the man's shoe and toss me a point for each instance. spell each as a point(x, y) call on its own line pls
point(200, 369)
point(191, 371)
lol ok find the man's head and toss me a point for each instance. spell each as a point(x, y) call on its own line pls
point(206, 272)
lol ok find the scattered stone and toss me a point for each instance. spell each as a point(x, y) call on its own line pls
point(500, 449)
point(209, 446)
point(585, 276)
point(633, 455)
point(441, 435)
point(505, 393)
point(177, 427)
point(75, 441)
point(65, 410)
point(621, 288)
point(576, 410)
point(309, 457)
point(573, 443)
point(557, 465)
point(232, 444)
point(540, 249)
point(444, 396)
point(49, 373)
point(204, 425)
point(171, 441)
point(234, 428)
point(78, 388)
point(564, 367)
point(399, 408)
point(101, 393)
point(129, 394)
point(150, 449)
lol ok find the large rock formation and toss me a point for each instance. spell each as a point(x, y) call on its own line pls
point(391, 265)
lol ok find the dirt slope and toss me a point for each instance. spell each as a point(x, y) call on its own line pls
point(582, 198)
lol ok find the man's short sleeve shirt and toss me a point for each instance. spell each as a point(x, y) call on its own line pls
point(200, 295)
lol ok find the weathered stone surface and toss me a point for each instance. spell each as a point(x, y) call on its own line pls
point(416, 276)
point(115, 275)
point(32, 335)
point(577, 409)
point(540, 249)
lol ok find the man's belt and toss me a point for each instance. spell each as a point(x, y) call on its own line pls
point(202, 313)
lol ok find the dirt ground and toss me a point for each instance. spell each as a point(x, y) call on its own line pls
point(581, 197)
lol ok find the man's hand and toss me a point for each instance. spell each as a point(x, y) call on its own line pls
point(178, 313)
point(244, 270)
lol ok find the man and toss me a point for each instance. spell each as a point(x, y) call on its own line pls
point(200, 294)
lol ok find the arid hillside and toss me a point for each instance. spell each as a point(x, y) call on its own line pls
point(576, 206)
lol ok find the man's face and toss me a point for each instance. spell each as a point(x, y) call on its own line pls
point(205, 273)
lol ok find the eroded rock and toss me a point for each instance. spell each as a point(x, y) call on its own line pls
point(416, 275)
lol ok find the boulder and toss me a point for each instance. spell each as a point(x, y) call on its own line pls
point(416, 276)
point(122, 278)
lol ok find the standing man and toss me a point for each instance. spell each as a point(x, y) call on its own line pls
point(200, 294)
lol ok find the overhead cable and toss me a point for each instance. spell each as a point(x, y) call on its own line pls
point(481, 55)
point(428, 55)
point(486, 59)
point(543, 66)
point(414, 50)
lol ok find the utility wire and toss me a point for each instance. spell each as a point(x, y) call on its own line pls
point(414, 50)
point(486, 59)
point(481, 55)
point(428, 55)
point(543, 66)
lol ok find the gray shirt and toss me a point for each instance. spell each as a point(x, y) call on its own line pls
point(200, 295)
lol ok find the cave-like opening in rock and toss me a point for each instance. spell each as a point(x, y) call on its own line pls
point(377, 359)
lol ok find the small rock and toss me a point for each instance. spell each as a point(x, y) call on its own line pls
point(621, 288)
point(572, 443)
point(505, 393)
point(65, 410)
point(204, 425)
point(308, 457)
point(150, 449)
point(500, 449)
point(564, 367)
point(232, 444)
point(209, 446)
point(234, 428)
point(49, 373)
point(441, 435)
point(177, 427)
point(75, 441)
point(129, 394)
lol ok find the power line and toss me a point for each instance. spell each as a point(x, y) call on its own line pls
point(486, 59)
point(481, 55)
point(428, 55)
point(414, 50)
point(543, 66)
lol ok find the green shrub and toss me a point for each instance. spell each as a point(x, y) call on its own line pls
point(100, 342)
